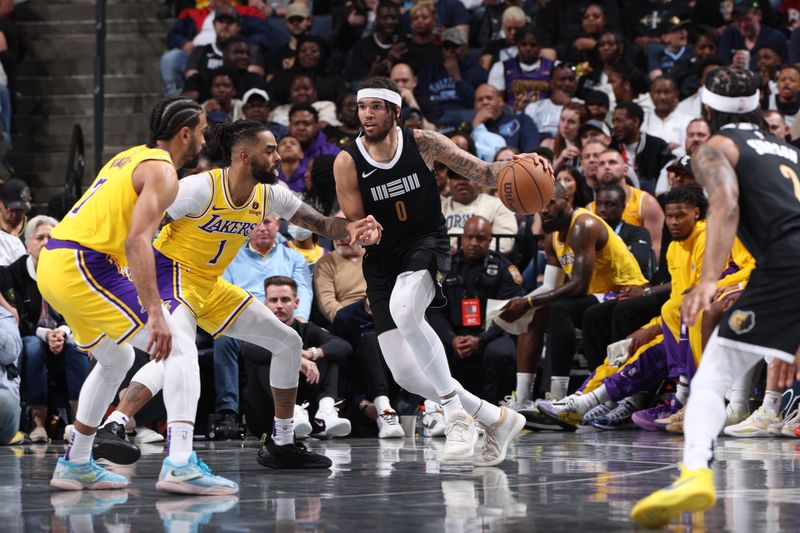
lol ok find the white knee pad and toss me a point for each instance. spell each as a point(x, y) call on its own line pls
point(101, 384)
point(151, 376)
point(113, 360)
point(412, 293)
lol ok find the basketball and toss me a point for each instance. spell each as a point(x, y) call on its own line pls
point(525, 187)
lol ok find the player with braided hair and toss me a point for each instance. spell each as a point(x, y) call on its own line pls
point(211, 218)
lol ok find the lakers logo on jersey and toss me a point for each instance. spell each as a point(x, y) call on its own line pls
point(566, 259)
point(742, 321)
point(218, 224)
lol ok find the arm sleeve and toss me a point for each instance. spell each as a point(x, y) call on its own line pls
point(325, 288)
point(302, 276)
point(336, 350)
point(282, 202)
point(194, 196)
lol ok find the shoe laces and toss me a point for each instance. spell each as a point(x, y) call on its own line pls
point(203, 467)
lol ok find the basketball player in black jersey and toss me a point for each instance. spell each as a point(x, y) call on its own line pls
point(386, 173)
point(753, 184)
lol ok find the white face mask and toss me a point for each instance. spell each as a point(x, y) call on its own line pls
point(298, 233)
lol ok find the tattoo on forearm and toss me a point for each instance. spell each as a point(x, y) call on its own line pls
point(311, 219)
point(433, 146)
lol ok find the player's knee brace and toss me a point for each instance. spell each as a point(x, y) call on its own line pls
point(113, 361)
point(283, 372)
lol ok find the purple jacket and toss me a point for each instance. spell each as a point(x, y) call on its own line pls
point(297, 181)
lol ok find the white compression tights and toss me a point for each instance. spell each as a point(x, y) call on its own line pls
point(258, 325)
point(719, 368)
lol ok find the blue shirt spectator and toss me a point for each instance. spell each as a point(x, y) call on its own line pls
point(748, 24)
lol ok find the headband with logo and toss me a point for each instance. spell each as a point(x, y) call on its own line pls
point(729, 104)
point(382, 94)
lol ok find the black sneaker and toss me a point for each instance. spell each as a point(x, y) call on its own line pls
point(536, 421)
point(290, 456)
point(110, 443)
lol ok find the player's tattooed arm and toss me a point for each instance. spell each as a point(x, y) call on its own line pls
point(311, 219)
point(433, 146)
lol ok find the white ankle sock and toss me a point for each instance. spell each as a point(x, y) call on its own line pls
point(682, 390)
point(432, 407)
point(451, 406)
point(772, 402)
point(559, 386)
point(179, 438)
point(283, 431)
point(117, 416)
point(79, 450)
point(587, 402)
point(480, 410)
point(326, 403)
point(382, 404)
point(524, 386)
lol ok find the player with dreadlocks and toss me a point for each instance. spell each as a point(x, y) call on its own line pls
point(753, 184)
point(83, 274)
point(211, 219)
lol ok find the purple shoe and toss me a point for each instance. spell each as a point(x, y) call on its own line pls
point(646, 418)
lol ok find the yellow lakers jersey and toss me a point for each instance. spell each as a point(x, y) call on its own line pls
point(206, 243)
point(614, 265)
point(633, 213)
point(101, 218)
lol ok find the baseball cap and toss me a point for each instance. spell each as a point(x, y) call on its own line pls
point(673, 24)
point(297, 9)
point(255, 92)
point(455, 36)
point(683, 164)
point(226, 11)
point(745, 6)
point(595, 124)
point(16, 194)
point(596, 98)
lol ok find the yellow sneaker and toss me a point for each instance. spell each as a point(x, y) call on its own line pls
point(692, 491)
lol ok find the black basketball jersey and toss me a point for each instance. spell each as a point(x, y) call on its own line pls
point(768, 172)
point(402, 194)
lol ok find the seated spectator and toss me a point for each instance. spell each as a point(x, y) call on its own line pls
point(705, 45)
point(592, 26)
point(546, 112)
point(255, 106)
point(10, 350)
point(347, 113)
point(236, 58)
point(466, 201)
point(298, 24)
point(598, 104)
point(307, 244)
point(504, 47)
point(342, 299)
point(565, 147)
point(644, 154)
point(525, 78)
point(258, 260)
point(322, 354)
point(223, 105)
point(697, 132)
point(675, 37)
point(46, 338)
point(303, 91)
point(641, 208)
point(642, 21)
point(403, 76)
point(665, 122)
point(578, 192)
point(590, 162)
point(777, 124)
point(493, 116)
point(610, 204)
point(691, 105)
point(577, 238)
point(769, 64)
point(561, 21)
point(482, 359)
point(630, 85)
point(313, 60)
point(291, 171)
point(423, 49)
point(304, 126)
point(449, 14)
point(376, 54)
point(749, 34)
point(611, 51)
point(451, 82)
point(15, 203)
point(786, 100)
point(594, 130)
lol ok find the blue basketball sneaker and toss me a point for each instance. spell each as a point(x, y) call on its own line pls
point(195, 477)
point(73, 476)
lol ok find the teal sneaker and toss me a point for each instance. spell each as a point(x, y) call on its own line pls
point(73, 476)
point(195, 477)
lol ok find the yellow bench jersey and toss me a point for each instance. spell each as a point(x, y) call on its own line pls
point(208, 230)
point(633, 213)
point(614, 265)
point(100, 220)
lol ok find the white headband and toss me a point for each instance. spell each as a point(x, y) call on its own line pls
point(382, 94)
point(729, 104)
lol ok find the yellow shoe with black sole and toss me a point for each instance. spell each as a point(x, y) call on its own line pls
point(693, 491)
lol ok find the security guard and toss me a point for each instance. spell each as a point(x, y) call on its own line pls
point(482, 360)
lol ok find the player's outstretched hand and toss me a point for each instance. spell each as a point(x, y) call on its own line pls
point(366, 231)
point(696, 300)
point(537, 160)
point(160, 343)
